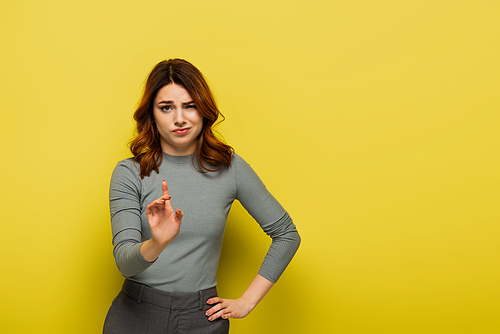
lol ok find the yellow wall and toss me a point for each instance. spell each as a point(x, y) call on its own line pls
point(375, 123)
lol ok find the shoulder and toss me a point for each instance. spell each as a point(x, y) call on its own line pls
point(242, 168)
point(238, 161)
point(239, 165)
point(128, 162)
point(127, 169)
point(129, 165)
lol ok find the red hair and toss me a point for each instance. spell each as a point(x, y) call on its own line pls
point(146, 146)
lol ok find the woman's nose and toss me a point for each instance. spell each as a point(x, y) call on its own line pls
point(179, 118)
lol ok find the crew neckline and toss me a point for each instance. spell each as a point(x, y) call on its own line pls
point(178, 159)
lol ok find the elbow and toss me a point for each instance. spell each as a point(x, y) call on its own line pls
point(122, 268)
point(123, 253)
point(121, 264)
point(296, 240)
point(129, 259)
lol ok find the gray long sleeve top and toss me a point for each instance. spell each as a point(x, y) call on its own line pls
point(189, 263)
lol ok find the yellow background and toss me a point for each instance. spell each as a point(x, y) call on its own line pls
point(375, 123)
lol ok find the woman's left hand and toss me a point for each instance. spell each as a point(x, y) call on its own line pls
point(228, 308)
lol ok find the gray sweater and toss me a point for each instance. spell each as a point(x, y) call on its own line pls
point(189, 263)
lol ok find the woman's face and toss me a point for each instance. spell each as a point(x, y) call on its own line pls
point(177, 119)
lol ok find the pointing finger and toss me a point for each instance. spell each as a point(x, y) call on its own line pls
point(164, 188)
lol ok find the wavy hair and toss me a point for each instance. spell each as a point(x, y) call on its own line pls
point(146, 146)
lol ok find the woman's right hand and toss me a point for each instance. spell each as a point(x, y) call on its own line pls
point(164, 223)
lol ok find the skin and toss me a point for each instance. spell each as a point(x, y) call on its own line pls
point(174, 109)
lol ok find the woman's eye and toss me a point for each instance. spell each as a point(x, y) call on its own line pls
point(191, 106)
point(166, 108)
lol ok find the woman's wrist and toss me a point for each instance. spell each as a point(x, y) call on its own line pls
point(256, 291)
point(249, 302)
point(150, 249)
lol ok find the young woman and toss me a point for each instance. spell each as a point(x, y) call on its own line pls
point(169, 206)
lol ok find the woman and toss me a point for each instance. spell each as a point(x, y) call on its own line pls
point(169, 206)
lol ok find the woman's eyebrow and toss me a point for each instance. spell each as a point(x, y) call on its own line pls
point(172, 102)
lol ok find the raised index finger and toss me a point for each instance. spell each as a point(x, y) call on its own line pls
point(164, 188)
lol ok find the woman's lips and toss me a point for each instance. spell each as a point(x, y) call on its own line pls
point(181, 131)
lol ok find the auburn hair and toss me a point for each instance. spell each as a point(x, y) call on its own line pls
point(146, 146)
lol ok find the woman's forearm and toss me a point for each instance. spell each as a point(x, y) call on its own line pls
point(256, 291)
point(241, 307)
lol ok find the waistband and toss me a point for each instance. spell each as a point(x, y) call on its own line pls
point(144, 293)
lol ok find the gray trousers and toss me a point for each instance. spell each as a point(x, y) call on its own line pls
point(142, 309)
